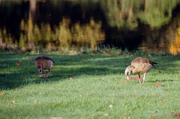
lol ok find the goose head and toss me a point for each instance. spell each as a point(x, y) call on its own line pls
point(128, 71)
point(40, 69)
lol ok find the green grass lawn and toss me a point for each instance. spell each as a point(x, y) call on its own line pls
point(98, 89)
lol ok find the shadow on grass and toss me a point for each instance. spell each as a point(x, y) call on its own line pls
point(161, 81)
point(67, 66)
point(14, 80)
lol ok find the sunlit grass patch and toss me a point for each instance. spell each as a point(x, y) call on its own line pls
point(86, 86)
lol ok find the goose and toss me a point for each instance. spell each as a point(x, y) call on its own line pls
point(43, 63)
point(139, 66)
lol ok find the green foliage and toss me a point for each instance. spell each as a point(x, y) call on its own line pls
point(62, 36)
point(6, 41)
point(125, 13)
point(88, 35)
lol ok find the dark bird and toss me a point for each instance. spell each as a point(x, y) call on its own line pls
point(43, 63)
point(139, 66)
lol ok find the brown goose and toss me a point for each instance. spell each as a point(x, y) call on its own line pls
point(43, 63)
point(139, 66)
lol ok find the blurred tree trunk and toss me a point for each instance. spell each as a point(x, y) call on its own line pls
point(130, 16)
point(145, 5)
point(122, 6)
point(32, 11)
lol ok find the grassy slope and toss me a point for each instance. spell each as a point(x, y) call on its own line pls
point(98, 82)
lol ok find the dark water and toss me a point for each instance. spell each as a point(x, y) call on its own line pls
point(128, 24)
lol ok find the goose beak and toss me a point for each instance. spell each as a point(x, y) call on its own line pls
point(127, 77)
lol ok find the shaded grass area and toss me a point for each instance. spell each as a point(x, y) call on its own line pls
point(97, 81)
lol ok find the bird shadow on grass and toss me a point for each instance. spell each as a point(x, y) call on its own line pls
point(15, 80)
point(160, 81)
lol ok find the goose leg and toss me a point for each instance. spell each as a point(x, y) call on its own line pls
point(144, 77)
point(48, 73)
point(139, 78)
point(40, 75)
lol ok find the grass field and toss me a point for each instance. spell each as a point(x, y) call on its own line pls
point(87, 87)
